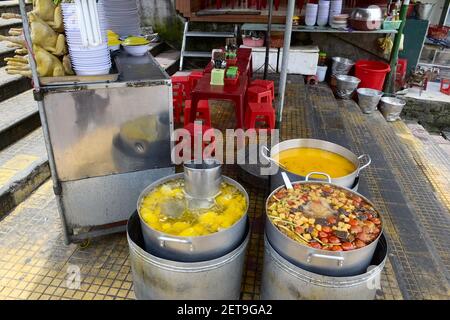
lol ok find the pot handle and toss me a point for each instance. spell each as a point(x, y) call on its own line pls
point(340, 260)
point(369, 161)
point(265, 155)
point(164, 239)
point(308, 176)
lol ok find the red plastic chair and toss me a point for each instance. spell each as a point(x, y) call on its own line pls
point(194, 130)
point(445, 86)
point(202, 112)
point(177, 102)
point(259, 94)
point(185, 82)
point(266, 84)
point(259, 113)
point(194, 77)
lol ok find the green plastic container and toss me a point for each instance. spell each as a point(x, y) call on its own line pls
point(217, 77)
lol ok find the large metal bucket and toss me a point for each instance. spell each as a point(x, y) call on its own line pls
point(341, 65)
point(282, 280)
point(160, 279)
point(368, 99)
point(424, 10)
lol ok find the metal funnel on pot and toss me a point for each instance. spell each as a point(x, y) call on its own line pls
point(202, 182)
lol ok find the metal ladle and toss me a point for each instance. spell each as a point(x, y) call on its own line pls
point(265, 156)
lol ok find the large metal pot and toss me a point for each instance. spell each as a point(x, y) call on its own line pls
point(192, 249)
point(328, 263)
point(346, 181)
point(423, 10)
point(281, 280)
point(156, 279)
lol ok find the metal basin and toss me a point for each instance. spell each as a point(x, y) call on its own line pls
point(346, 86)
point(424, 10)
point(391, 108)
point(192, 249)
point(341, 65)
point(368, 99)
point(160, 279)
point(281, 280)
point(347, 181)
point(370, 13)
point(328, 263)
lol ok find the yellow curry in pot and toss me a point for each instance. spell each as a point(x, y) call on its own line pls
point(302, 161)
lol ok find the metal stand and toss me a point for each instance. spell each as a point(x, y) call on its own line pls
point(106, 141)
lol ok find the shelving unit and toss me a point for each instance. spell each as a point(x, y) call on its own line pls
point(281, 28)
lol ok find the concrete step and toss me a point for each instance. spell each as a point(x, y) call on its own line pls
point(5, 52)
point(169, 60)
point(23, 168)
point(12, 85)
point(12, 6)
point(18, 117)
point(6, 24)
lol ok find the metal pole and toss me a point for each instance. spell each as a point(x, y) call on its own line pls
point(389, 87)
point(268, 37)
point(26, 34)
point(444, 13)
point(285, 62)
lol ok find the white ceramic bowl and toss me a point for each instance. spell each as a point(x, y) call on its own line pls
point(137, 50)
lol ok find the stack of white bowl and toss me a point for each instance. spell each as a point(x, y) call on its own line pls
point(335, 9)
point(122, 17)
point(324, 11)
point(86, 37)
point(311, 14)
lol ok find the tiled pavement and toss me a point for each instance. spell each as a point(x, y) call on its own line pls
point(35, 264)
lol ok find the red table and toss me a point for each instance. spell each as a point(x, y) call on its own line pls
point(244, 62)
point(236, 93)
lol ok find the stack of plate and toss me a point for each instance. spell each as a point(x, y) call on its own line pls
point(335, 9)
point(85, 31)
point(122, 17)
point(339, 21)
point(311, 14)
point(324, 11)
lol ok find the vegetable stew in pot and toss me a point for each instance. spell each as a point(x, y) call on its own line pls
point(324, 216)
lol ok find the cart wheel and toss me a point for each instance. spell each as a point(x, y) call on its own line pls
point(85, 244)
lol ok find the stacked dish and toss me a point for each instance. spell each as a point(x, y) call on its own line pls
point(335, 9)
point(339, 21)
point(323, 12)
point(122, 16)
point(84, 25)
point(311, 14)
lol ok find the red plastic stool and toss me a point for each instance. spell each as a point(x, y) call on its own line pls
point(185, 83)
point(266, 84)
point(177, 103)
point(445, 86)
point(202, 112)
point(259, 95)
point(195, 129)
point(194, 77)
point(259, 112)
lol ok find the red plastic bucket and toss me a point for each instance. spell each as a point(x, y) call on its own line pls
point(371, 73)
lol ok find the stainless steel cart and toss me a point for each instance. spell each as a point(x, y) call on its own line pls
point(106, 141)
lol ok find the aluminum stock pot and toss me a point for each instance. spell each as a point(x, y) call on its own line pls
point(346, 181)
point(328, 263)
point(192, 249)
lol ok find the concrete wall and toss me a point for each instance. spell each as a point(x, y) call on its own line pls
point(162, 16)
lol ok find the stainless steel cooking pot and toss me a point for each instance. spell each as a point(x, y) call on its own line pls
point(192, 249)
point(424, 10)
point(347, 181)
point(328, 263)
